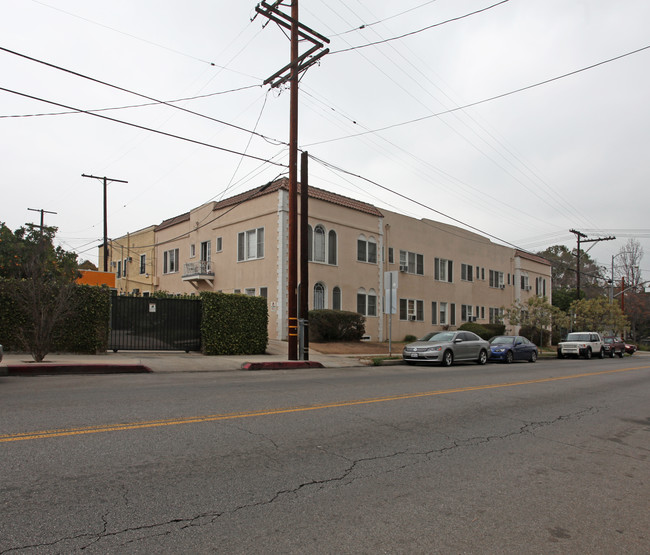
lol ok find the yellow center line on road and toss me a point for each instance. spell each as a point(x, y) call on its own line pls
point(64, 432)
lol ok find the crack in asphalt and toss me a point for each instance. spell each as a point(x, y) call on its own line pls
point(210, 518)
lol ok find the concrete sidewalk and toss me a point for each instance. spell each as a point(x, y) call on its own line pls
point(169, 361)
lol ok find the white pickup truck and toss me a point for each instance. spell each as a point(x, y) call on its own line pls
point(581, 344)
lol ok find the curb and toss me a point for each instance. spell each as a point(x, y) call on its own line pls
point(53, 369)
point(287, 365)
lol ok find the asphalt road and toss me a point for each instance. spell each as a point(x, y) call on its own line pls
point(546, 458)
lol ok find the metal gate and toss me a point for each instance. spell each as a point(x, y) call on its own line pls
point(151, 324)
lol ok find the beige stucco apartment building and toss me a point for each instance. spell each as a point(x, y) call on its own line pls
point(132, 258)
point(444, 275)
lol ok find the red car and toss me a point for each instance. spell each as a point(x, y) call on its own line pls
point(614, 346)
point(629, 348)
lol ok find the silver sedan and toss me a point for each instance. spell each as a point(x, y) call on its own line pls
point(446, 347)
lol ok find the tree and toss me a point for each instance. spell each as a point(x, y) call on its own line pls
point(563, 275)
point(537, 314)
point(629, 261)
point(43, 279)
point(598, 315)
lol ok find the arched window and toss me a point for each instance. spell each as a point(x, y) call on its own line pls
point(310, 241)
point(336, 298)
point(331, 247)
point(319, 244)
point(319, 296)
point(361, 301)
point(371, 303)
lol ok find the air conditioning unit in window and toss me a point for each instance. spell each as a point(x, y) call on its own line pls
point(403, 268)
point(502, 286)
point(472, 319)
point(527, 287)
point(412, 317)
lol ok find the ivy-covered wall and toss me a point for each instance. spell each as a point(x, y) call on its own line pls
point(234, 324)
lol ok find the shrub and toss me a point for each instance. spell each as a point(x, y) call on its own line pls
point(336, 325)
point(479, 329)
point(233, 324)
point(495, 329)
point(410, 338)
point(533, 335)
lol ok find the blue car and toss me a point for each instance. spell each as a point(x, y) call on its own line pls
point(508, 348)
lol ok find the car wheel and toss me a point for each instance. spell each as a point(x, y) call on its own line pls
point(601, 354)
point(588, 353)
point(482, 357)
point(509, 357)
point(611, 353)
point(559, 354)
point(533, 356)
point(447, 358)
point(620, 354)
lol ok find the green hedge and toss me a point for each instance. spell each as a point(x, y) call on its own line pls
point(234, 324)
point(85, 330)
point(336, 325)
point(484, 331)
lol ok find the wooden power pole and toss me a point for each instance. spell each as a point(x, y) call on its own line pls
point(291, 72)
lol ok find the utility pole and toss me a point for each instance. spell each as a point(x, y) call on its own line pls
point(42, 226)
point(582, 236)
point(291, 72)
point(105, 180)
point(304, 255)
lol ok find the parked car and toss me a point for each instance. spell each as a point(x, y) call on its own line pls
point(630, 348)
point(581, 344)
point(614, 346)
point(447, 347)
point(506, 348)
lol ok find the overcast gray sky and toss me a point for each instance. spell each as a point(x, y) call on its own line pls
point(525, 168)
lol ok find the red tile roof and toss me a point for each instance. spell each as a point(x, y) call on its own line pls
point(173, 221)
point(314, 192)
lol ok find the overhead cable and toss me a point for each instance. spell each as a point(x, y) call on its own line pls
point(144, 128)
point(438, 114)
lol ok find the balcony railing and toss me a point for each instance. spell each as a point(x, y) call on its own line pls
point(201, 270)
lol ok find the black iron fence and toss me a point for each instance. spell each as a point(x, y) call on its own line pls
point(151, 324)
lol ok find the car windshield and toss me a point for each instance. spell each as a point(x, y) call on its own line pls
point(439, 337)
point(501, 340)
point(608, 340)
point(578, 337)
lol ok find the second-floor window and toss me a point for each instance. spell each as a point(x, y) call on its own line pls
point(205, 251)
point(467, 272)
point(496, 279)
point(411, 262)
point(143, 263)
point(170, 261)
point(250, 244)
point(443, 270)
point(366, 250)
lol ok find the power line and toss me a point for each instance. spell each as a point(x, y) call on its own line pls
point(327, 164)
point(367, 25)
point(128, 106)
point(122, 89)
point(144, 128)
point(420, 30)
point(451, 110)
